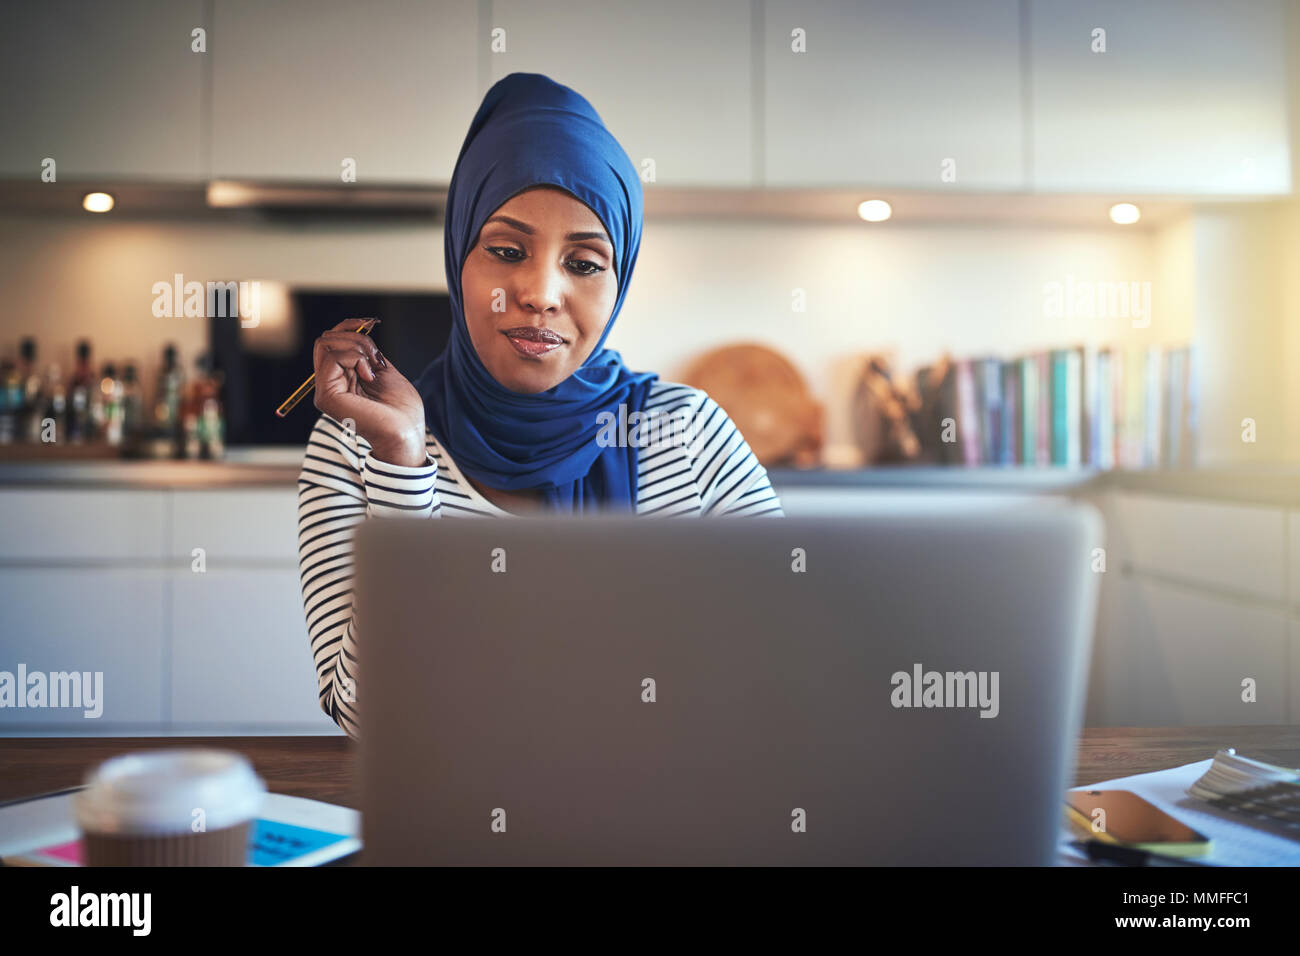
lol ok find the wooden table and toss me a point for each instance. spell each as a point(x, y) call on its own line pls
point(322, 768)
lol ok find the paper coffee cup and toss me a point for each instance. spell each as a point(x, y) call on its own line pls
point(169, 808)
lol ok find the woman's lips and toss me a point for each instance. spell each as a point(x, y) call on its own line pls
point(532, 342)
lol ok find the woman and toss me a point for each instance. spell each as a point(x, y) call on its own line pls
point(523, 411)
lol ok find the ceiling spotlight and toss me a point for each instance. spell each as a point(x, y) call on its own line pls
point(97, 202)
point(875, 210)
point(1124, 214)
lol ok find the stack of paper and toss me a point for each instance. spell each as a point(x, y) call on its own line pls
point(1235, 840)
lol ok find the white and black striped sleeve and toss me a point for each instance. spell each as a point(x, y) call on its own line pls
point(339, 486)
point(727, 473)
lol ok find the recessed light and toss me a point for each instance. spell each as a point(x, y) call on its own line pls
point(97, 202)
point(1124, 214)
point(875, 210)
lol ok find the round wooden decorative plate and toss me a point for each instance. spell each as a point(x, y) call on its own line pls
point(767, 398)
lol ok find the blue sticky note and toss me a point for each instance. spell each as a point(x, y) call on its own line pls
point(274, 843)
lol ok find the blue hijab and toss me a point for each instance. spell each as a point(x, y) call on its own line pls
point(533, 131)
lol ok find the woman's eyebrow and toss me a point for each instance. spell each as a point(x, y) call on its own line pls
point(529, 230)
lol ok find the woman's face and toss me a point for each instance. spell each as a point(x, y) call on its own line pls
point(541, 261)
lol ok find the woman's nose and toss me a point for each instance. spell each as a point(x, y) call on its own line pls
point(540, 287)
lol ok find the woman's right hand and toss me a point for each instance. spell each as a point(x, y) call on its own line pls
point(355, 381)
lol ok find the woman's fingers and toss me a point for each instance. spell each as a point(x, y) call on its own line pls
point(364, 344)
point(342, 370)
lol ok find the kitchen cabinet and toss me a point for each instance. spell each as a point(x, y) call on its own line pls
point(887, 92)
point(104, 619)
point(106, 90)
point(672, 80)
point(84, 525)
point(1188, 97)
point(235, 527)
point(241, 659)
point(104, 579)
point(1229, 547)
point(300, 86)
point(1181, 656)
point(1197, 596)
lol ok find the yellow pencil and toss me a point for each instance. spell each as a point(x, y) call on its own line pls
point(287, 405)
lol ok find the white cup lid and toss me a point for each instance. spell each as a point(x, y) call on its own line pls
point(160, 791)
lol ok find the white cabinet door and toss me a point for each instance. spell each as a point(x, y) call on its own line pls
point(1175, 657)
point(888, 93)
point(299, 86)
point(89, 620)
point(672, 80)
point(241, 659)
point(71, 524)
point(103, 89)
point(1232, 547)
point(1188, 97)
point(258, 525)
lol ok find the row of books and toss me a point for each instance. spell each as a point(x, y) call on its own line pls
point(1099, 407)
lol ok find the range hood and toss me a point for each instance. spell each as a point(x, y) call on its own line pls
point(298, 197)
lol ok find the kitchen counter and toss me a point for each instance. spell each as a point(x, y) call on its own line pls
point(1275, 485)
point(146, 474)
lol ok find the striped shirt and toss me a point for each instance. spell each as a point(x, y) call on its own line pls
point(692, 462)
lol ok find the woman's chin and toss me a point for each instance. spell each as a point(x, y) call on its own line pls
point(528, 381)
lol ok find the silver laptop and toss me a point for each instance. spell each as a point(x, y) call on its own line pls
point(896, 689)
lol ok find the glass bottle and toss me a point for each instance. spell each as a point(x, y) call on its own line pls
point(81, 425)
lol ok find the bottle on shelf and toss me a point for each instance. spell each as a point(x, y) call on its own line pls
point(109, 407)
point(168, 438)
point(132, 411)
point(54, 419)
point(203, 423)
point(11, 400)
point(33, 398)
point(81, 424)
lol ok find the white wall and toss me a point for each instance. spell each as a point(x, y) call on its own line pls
point(911, 290)
point(1289, 252)
point(1241, 333)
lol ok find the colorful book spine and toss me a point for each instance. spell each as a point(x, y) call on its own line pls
point(1028, 411)
point(1059, 423)
point(1009, 453)
point(968, 430)
point(1043, 454)
point(1074, 407)
point(1091, 407)
point(1105, 412)
point(1134, 398)
point(1117, 373)
point(990, 380)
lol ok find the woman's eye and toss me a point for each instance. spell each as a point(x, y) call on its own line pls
point(584, 267)
point(591, 267)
